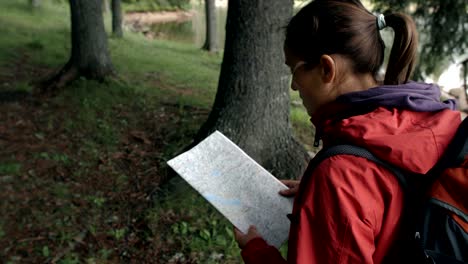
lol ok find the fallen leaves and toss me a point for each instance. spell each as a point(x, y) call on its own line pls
point(66, 185)
point(140, 136)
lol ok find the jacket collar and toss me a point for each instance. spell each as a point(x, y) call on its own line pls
point(335, 112)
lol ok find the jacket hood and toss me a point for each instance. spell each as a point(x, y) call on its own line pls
point(411, 96)
point(405, 125)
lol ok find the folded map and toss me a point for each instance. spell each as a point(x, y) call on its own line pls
point(237, 186)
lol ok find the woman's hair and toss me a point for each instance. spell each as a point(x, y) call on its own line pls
point(346, 27)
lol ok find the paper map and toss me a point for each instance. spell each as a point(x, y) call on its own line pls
point(237, 186)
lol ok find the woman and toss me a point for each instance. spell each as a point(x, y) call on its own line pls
point(350, 208)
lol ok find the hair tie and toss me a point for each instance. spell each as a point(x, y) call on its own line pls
point(381, 22)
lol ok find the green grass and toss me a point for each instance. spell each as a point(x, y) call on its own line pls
point(34, 30)
point(200, 226)
point(10, 168)
point(303, 128)
point(180, 71)
point(96, 109)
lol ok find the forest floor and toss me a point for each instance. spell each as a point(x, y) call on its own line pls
point(83, 175)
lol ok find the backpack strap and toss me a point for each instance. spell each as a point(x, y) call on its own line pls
point(359, 152)
point(461, 139)
point(455, 153)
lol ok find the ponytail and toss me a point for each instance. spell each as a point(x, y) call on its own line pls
point(403, 55)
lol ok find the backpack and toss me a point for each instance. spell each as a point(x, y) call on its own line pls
point(438, 218)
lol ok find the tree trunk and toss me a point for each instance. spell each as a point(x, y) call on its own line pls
point(117, 18)
point(105, 6)
point(210, 14)
point(89, 40)
point(463, 98)
point(252, 101)
point(89, 56)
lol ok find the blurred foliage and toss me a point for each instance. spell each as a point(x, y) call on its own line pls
point(442, 27)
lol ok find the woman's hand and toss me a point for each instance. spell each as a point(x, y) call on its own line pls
point(293, 188)
point(242, 239)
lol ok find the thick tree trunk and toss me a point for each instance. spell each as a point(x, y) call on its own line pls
point(210, 14)
point(89, 40)
point(117, 18)
point(252, 101)
point(89, 56)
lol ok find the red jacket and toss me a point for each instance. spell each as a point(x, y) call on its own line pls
point(350, 208)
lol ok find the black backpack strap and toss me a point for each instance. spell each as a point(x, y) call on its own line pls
point(359, 152)
point(461, 140)
point(455, 153)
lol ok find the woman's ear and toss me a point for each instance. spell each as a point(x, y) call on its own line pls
point(328, 68)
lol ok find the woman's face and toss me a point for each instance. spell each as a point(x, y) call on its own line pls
point(309, 82)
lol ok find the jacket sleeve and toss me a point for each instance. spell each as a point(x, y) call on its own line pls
point(258, 251)
point(341, 215)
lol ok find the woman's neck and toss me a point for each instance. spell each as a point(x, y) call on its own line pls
point(348, 80)
point(357, 82)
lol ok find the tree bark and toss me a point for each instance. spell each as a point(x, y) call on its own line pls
point(463, 100)
point(252, 101)
point(117, 18)
point(89, 55)
point(210, 14)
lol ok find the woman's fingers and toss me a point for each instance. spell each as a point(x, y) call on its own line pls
point(293, 188)
point(290, 183)
point(242, 239)
point(288, 192)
